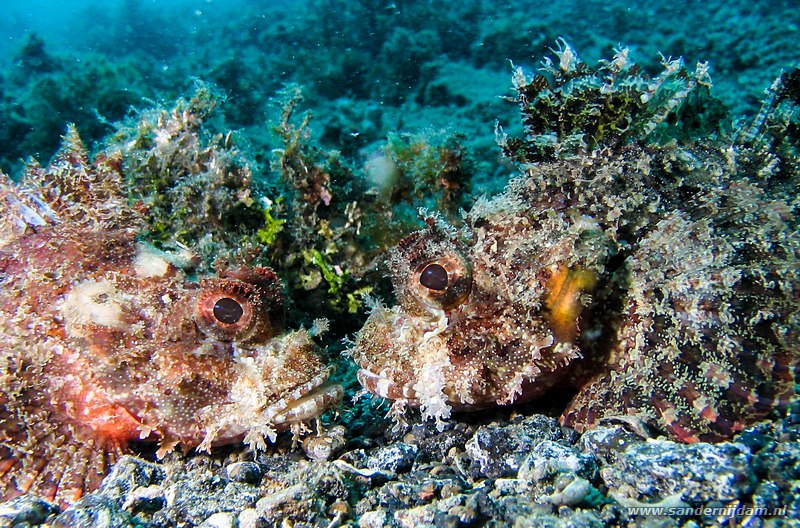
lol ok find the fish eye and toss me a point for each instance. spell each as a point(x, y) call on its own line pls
point(441, 283)
point(434, 276)
point(243, 305)
point(431, 270)
point(228, 311)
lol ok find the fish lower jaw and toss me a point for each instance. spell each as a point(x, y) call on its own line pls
point(306, 402)
point(387, 388)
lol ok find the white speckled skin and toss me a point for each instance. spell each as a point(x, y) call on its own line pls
point(103, 340)
point(595, 273)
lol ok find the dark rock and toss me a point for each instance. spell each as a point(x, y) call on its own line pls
point(781, 465)
point(497, 451)
point(293, 503)
point(248, 472)
point(767, 495)
point(330, 485)
point(780, 471)
point(420, 430)
point(793, 413)
point(513, 508)
point(355, 457)
point(757, 438)
point(25, 510)
point(96, 511)
point(273, 464)
point(697, 473)
point(457, 510)
point(145, 500)
point(607, 443)
point(548, 458)
point(398, 495)
point(396, 458)
point(193, 496)
point(436, 447)
point(128, 474)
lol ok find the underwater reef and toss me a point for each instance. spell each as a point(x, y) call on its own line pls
point(668, 234)
point(368, 67)
point(552, 278)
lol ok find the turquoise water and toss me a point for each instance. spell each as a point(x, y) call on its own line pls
point(366, 67)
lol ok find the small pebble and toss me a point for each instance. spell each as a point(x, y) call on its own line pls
point(248, 518)
point(148, 499)
point(448, 490)
point(325, 445)
point(271, 504)
point(220, 520)
point(573, 493)
point(396, 458)
point(372, 519)
point(247, 472)
point(25, 509)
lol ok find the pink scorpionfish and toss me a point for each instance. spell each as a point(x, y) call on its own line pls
point(104, 340)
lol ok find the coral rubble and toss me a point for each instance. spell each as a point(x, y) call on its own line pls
point(523, 471)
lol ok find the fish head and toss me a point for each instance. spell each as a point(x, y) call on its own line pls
point(192, 362)
point(473, 327)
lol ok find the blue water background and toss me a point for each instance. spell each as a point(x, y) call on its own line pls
point(366, 67)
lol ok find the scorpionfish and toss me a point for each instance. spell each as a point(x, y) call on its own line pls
point(105, 340)
point(661, 281)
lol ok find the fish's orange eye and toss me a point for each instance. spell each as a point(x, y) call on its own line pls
point(244, 305)
point(434, 276)
point(231, 310)
point(228, 311)
point(431, 270)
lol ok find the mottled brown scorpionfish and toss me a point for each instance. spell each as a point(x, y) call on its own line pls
point(661, 281)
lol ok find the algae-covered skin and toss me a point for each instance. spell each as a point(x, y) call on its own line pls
point(104, 340)
point(661, 279)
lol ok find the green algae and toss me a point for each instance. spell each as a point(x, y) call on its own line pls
point(272, 226)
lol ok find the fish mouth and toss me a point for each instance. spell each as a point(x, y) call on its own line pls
point(385, 387)
point(305, 402)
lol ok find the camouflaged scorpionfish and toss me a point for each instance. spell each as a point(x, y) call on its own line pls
point(660, 280)
point(104, 340)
